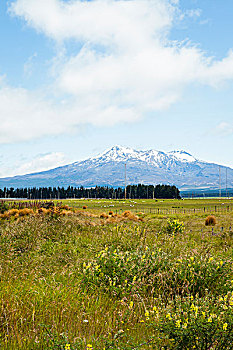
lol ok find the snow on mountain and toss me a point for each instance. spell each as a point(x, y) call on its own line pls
point(152, 157)
point(149, 167)
point(182, 156)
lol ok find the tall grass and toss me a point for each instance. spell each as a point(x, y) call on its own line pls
point(79, 282)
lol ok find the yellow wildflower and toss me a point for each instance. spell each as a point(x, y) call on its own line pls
point(225, 326)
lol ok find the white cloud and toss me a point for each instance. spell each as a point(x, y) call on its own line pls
point(28, 66)
point(224, 129)
point(125, 68)
point(41, 162)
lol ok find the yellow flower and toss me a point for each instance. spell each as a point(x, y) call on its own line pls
point(89, 347)
point(131, 305)
point(147, 314)
point(67, 347)
point(210, 319)
point(178, 322)
point(225, 326)
point(169, 316)
point(185, 325)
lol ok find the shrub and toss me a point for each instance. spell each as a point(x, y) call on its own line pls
point(210, 220)
point(205, 323)
point(174, 227)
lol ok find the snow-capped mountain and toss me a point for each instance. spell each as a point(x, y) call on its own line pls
point(149, 167)
point(152, 157)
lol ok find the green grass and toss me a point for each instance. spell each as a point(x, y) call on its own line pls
point(79, 283)
point(172, 205)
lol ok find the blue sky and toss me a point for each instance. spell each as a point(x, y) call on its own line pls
point(79, 77)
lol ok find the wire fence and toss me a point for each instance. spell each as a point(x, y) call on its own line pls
point(166, 211)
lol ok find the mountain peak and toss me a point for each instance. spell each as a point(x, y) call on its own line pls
point(119, 153)
point(182, 156)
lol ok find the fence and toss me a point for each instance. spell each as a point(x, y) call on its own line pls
point(166, 211)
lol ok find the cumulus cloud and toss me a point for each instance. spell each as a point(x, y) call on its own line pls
point(41, 162)
point(126, 67)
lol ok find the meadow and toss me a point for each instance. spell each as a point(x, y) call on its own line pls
point(114, 274)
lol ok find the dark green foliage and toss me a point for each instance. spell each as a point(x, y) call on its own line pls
point(132, 191)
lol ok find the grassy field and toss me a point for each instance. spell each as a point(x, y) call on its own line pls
point(83, 279)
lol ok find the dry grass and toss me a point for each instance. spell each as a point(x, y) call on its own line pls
point(210, 220)
point(104, 216)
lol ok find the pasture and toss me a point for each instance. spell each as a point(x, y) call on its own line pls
point(114, 274)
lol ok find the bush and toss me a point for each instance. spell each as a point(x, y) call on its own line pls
point(205, 323)
point(174, 227)
point(210, 220)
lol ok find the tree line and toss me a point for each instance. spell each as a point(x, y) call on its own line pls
point(132, 192)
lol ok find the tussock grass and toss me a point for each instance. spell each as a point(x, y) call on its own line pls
point(210, 220)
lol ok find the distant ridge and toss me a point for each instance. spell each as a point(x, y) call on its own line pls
point(149, 167)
